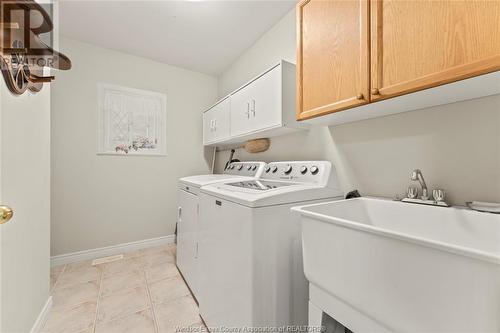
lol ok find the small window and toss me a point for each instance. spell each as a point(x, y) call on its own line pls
point(131, 121)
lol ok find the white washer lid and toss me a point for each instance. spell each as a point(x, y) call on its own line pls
point(202, 180)
point(295, 193)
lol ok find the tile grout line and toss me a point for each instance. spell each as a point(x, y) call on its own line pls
point(98, 298)
point(100, 279)
point(153, 310)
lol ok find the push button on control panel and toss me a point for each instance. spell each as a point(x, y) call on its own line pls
point(288, 169)
point(303, 169)
point(240, 166)
point(314, 170)
point(274, 169)
point(268, 168)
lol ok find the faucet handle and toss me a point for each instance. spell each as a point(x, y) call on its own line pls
point(438, 195)
point(412, 192)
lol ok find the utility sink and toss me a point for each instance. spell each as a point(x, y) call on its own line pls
point(393, 266)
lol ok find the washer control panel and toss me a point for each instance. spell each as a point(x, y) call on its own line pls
point(250, 169)
point(314, 172)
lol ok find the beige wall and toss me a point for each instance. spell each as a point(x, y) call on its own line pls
point(94, 200)
point(278, 43)
point(457, 146)
point(24, 186)
point(106, 200)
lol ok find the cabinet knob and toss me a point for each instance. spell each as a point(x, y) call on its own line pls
point(375, 91)
point(359, 96)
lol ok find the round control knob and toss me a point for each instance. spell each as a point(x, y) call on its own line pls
point(314, 170)
point(275, 168)
point(288, 170)
point(254, 167)
point(249, 167)
point(240, 166)
point(303, 169)
point(268, 168)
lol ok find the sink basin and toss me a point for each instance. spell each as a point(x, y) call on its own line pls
point(391, 266)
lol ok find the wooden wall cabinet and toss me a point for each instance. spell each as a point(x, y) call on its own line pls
point(332, 56)
point(409, 46)
point(422, 44)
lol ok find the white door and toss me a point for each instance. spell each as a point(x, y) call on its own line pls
point(187, 238)
point(25, 187)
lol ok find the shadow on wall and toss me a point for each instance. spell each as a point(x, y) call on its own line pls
point(457, 146)
point(208, 155)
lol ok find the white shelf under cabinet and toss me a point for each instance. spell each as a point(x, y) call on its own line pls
point(263, 107)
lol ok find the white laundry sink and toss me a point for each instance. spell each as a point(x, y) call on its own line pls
point(405, 267)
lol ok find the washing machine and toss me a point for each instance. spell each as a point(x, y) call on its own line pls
point(187, 219)
point(250, 246)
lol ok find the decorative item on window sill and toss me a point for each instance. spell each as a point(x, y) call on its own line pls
point(23, 54)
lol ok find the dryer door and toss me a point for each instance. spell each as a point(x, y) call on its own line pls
point(187, 238)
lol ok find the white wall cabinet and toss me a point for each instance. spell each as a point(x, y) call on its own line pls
point(257, 105)
point(264, 107)
point(216, 122)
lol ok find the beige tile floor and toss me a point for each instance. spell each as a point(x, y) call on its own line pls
point(141, 293)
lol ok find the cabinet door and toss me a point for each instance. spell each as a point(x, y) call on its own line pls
point(208, 126)
point(265, 100)
point(332, 56)
point(221, 120)
point(257, 106)
point(422, 44)
point(187, 238)
point(216, 122)
point(240, 111)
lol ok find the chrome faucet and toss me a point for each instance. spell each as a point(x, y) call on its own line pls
point(412, 192)
point(416, 175)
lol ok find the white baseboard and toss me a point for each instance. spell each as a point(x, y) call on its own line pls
point(109, 250)
point(42, 317)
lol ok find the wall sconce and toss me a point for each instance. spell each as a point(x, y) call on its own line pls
point(23, 54)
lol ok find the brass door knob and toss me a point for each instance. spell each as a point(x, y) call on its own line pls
point(5, 214)
point(359, 96)
point(375, 91)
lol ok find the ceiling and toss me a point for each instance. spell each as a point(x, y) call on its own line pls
point(204, 36)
